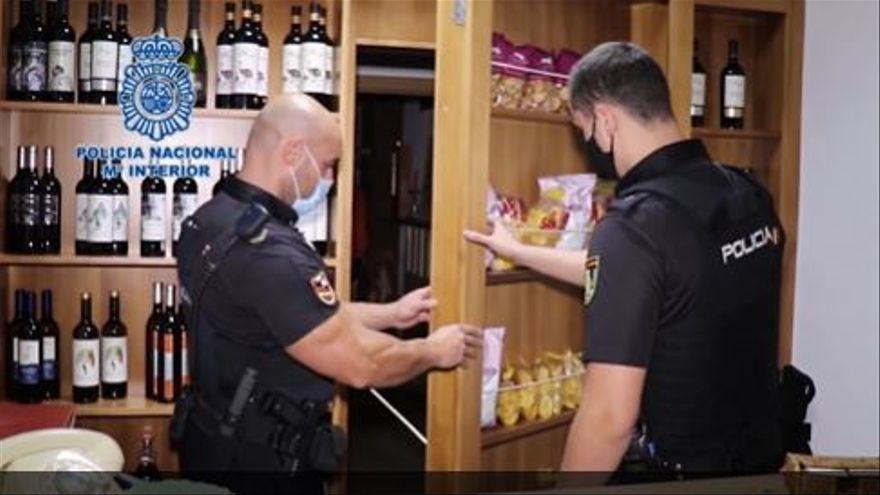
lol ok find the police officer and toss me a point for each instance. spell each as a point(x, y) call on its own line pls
point(271, 336)
point(681, 288)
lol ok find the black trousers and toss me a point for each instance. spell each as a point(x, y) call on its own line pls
point(240, 467)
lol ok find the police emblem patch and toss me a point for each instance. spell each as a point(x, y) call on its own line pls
point(323, 290)
point(591, 279)
point(156, 96)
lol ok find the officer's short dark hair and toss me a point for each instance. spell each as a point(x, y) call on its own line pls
point(623, 74)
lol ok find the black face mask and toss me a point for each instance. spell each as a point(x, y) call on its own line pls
point(603, 163)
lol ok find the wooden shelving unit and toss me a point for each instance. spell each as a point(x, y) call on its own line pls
point(502, 434)
point(532, 116)
point(517, 275)
point(128, 407)
point(85, 109)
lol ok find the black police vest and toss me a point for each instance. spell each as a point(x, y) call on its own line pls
point(710, 394)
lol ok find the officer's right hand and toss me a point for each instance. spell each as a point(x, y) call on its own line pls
point(453, 345)
point(500, 241)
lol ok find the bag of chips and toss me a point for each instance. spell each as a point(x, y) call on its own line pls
point(511, 80)
point(564, 62)
point(539, 89)
point(574, 194)
point(493, 344)
point(507, 408)
point(508, 211)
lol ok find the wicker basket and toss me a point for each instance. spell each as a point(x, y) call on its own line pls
point(832, 475)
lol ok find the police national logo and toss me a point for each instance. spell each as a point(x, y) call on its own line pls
point(157, 95)
point(323, 290)
point(591, 279)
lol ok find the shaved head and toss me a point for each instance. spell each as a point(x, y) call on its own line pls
point(290, 133)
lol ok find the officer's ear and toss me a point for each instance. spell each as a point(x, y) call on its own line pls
point(606, 123)
point(292, 149)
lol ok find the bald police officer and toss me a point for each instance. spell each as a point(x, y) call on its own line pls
point(271, 336)
point(681, 288)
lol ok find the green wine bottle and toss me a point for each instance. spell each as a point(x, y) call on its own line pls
point(194, 54)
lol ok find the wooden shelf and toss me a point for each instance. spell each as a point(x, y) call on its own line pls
point(417, 45)
point(772, 6)
point(710, 132)
point(504, 434)
point(515, 276)
point(70, 260)
point(532, 116)
point(130, 406)
point(86, 109)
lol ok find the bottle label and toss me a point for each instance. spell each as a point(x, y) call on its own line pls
point(28, 362)
point(28, 209)
point(329, 68)
point(314, 58)
point(263, 72)
point(82, 217)
point(292, 69)
point(185, 205)
point(34, 73)
point(62, 60)
point(85, 66)
point(153, 217)
point(247, 59)
point(105, 55)
point(100, 218)
point(15, 351)
point(114, 365)
point(49, 207)
point(168, 370)
point(184, 360)
point(126, 58)
point(735, 91)
point(154, 357)
point(698, 90)
point(225, 70)
point(85, 362)
point(198, 83)
point(120, 218)
point(50, 371)
point(16, 64)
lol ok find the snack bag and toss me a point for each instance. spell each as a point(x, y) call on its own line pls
point(548, 214)
point(539, 88)
point(545, 389)
point(493, 343)
point(572, 385)
point(575, 194)
point(506, 210)
point(528, 397)
point(603, 193)
point(512, 80)
point(500, 53)
point(508, 407)
point(565, 61)
point(556, 364)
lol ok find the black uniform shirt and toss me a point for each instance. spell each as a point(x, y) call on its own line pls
point(267, 294)
point(639, 281)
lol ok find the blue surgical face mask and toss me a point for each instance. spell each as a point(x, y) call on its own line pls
point(302, 205)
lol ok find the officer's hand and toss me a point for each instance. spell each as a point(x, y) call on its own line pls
point(414, 308)
point(500, 241)
point(454, 345)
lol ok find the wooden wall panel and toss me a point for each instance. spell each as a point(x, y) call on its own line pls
point(649, 28)
point(542, 452)
point(395, 20)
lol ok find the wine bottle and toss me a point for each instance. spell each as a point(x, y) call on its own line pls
point(83, 191)
point(225, 64)
point(733, 90)
point(100, 213)
point(61, 86)
point(314, 58)
point(17, 40)
point(160, 20)
point(263, 65)
point(167, 348)
point(12, 346)
point(105, 58)
point(86, 355)
point(30, 388)
point(194, 54)
point(50, 205)
point(13, 219)
point(224, 173)
point(85, 55)
point(329, 58)
point(147, 469)
point(155, 323)
point(51, 15)
point(50, 359)
point(246, 57)
point(29, 207)
point(36, 55)
point(698, 91)
point(181, 347)
point(125, 57)
point(153, 217)
point(292, 71)
point(119, 191)
point(114, 353)
point(185, 202)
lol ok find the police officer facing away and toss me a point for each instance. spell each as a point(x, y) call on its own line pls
point(681, 288)
point(270, 335)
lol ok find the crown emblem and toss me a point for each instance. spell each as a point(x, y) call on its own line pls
point(157, 49)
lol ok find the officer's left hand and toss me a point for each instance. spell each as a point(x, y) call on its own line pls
point(413, 308)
